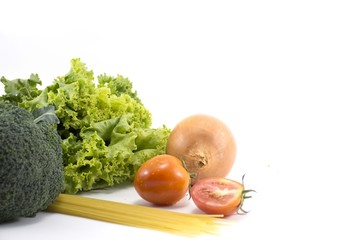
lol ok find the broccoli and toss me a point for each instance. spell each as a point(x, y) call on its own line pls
point(31, 167)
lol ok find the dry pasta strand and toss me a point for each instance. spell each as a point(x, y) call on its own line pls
point(137, 216)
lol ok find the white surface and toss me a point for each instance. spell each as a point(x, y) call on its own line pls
point(282, 74)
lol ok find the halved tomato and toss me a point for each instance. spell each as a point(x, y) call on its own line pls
point(218, 195)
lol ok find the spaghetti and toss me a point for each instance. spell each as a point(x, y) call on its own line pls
point(137, 216)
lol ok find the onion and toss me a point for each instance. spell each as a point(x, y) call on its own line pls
point(205, 144)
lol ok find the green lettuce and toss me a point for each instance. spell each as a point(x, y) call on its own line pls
point(105, 129)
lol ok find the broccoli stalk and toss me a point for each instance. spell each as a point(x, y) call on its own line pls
point(45, 114)
point(31, 169)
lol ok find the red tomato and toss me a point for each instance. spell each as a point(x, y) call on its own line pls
point(162, 180)
point(217, 195)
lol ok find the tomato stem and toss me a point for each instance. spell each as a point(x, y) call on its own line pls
point(191, 175)
point(243, 197)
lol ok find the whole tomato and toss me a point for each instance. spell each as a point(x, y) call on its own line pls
point(162, 180)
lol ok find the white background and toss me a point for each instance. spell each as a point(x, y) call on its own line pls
point(284, 76)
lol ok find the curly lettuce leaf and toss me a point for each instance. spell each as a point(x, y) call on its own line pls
point(79, 102)
point(22, 90)
point(118, 85)
point(111, 152)
point(105, 129)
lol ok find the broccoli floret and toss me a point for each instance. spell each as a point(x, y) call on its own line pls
point(31, 168)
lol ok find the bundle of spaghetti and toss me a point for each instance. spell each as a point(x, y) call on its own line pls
point(137, 216)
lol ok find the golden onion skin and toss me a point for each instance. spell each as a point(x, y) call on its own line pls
point(205, 144)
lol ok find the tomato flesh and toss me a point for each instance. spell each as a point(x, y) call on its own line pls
point(162, 180)
point(217, 195)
